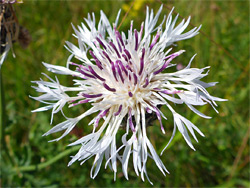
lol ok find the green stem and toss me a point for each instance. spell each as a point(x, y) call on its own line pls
point(3, 121)
point(2, 108)
point(47, 163)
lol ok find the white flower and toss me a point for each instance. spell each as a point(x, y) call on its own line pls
point(124, 81)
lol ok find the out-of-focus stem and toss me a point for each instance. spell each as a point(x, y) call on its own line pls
point(3, 119)
point(47, 163)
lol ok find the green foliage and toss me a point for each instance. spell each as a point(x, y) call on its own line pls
point(221, 158)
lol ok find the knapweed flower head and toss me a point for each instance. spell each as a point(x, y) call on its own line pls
point(123, 77)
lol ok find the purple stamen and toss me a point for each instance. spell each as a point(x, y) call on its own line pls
point(135, 79)
point(148, 110)
point(91, 96)
point(171, 92)
point(96, 44)
point(157, 89)
point(142, 26)
point(131, 122)
point(85, 68)
point(108, 88)
point(105, 112)
point(125, 57)
point(74, 104)
point(99, 40)
point(113, 70)
point(98, 63)
point(95, 74)
point(81, 102)
point(142, 61)
point(130, 94)
point(159, 118)
point(100, 116)
point(129, 68)
point(146, 83)
point(170, 56)
point(119, 111)
point(75, 64)
point(98, 119)
point(127, 53)
point(136, 39)
point(119, 37)
point(120, 72)
point(155, 40)
point(92, 54)
point(129, 77)
point(174, 55)
point(113, 46)
point(85, 74)
point(106, 55)
point(120, 48)
point(163, 67)
point(122, 67)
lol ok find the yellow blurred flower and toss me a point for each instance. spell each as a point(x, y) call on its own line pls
point(137, 6)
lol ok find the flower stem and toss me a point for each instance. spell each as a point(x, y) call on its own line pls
point(47, 163)
point(3, 121)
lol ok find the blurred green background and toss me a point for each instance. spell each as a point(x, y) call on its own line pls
point(221, 158)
